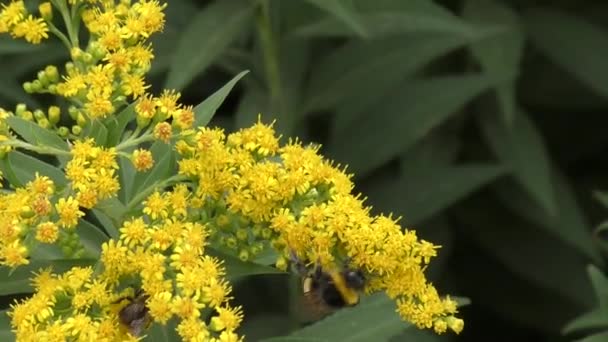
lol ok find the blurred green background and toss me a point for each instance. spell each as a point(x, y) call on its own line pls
point(481, 122)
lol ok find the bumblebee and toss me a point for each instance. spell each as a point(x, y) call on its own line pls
point(135, 314)
point(326, 291)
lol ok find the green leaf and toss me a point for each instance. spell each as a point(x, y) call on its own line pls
point(126, 174)
point(574, 44)
point(593, 320)
point(108, 224)
point(345, 11)
point(9, 45)
point(418, 16)
point(423, 193)
point(113, 208)
point(210, 32)
point(401, 119)
point(599, 337)
point(500, 54)
point(6, 333)
point(361, 71)
point(516, 147)
point(236, 268)
point(600, 285)
point(540, 258)
point(569, 224)
point(18, 280)
point(35, 134)
point(24, 168)
point(91, 237)
point(374, 319)
point(204, 111)
point(117, 124)
point(602, 197)
point(164, 167)
point(96, 130)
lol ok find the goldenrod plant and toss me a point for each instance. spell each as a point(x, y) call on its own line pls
point(125, 209)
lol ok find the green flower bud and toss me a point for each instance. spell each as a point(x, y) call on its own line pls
point(54, 114)
point(76, 130)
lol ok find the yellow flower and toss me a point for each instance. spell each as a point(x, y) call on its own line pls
point(227, 318)
point(47, 232)
point(12, 13)
point(155, 206)
point(145, 107)
point(33, 29)
point(14, 254)
point(134, 232)
point(163, 132)
point(133, 85)
point(69, 212)
point(142, 160)
point(186, 307)
point(160, 307)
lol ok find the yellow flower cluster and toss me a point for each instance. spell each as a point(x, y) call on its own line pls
point(27, 208)
point(300, 203)
point(242, 192)
point(15, 19)
point(92, 173)
point(179, 281)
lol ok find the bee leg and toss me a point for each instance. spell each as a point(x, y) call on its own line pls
point(297, 265)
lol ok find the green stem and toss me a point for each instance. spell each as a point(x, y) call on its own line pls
point(135, 141)
point(62, 6)
point(54, 30)
point(33, 148)
point(269, 50)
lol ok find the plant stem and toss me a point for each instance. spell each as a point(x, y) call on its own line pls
point(269, 51)
point(33, 148)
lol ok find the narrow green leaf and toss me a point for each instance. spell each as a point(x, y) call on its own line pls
point(126, 174)
point(6, 333)
point(361, 71)
point(343, 10)
point(91, 237)
point(599, 337)
point(541, 259)
point(569, 224)
point(600, 286)
point(113, 208)
point(210, 32)
point(374, 319)
point(384, 23)
point(559, 36)
point(205, 110)
point(117, 124)
point(25, 168)
point(164, 167)
point(424, 193)
point(401, 119)
point(18, 280)
point(516, 146)
point(108, 224)
point(96, 130)
point(35, 134)
point(500, 54)
point(593, 320)
point(601, 196)
point(9, 45)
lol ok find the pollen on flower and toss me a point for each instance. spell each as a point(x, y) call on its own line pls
point(69, 212)
point(163, 132)
point(47, 232)
point(142, 160)
point(33, 29)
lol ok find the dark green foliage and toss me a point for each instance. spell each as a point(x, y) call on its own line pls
point(481, 122)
